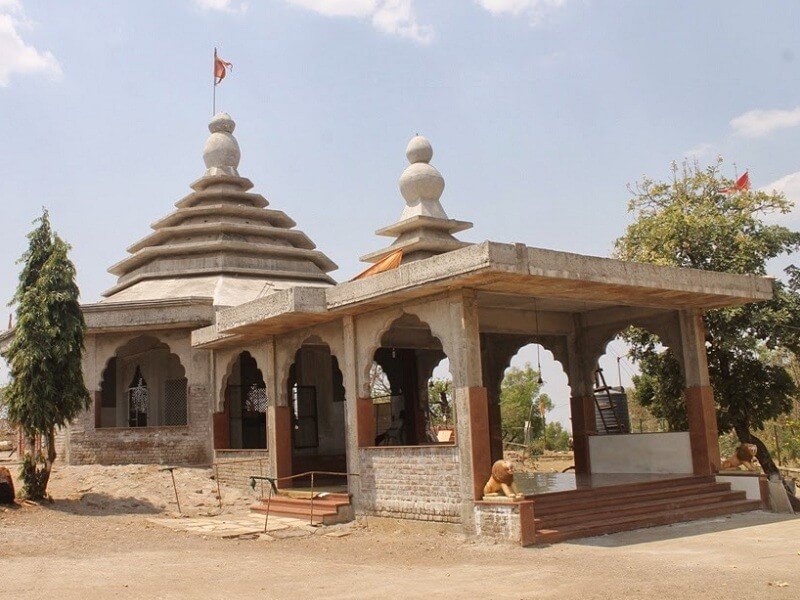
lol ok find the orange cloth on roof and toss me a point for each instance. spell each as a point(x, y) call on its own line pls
point(385, 264)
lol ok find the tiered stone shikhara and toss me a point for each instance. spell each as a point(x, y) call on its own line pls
point(424, 229)
point(221, 242)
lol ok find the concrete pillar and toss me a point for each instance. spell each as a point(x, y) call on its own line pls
point(700, 408)
point(472, 405)
point(355, 429)
point(279, 417)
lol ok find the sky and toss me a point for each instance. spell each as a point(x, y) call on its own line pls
point(540, 113)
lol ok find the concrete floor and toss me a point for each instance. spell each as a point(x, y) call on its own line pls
point(51, 552)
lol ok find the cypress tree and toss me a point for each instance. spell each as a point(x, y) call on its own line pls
point(47, 389)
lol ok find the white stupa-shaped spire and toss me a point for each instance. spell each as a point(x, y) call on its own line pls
point(221, 152)
point(421, 184)
point(424, 229)
point(222, 242)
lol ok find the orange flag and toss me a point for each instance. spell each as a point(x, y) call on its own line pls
point(385, 264)
point(220, 68)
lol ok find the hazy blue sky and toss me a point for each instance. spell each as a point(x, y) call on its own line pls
point(540, 112)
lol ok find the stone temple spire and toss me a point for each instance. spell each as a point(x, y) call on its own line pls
point(424, 229)
point(221, 152)
point(221, 242)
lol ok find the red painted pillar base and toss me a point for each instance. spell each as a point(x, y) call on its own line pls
point(283, 444)
point(365, 422)
point(703, 434)
point(583, 426)
point(480, 439)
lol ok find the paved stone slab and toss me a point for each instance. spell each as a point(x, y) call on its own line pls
point(233, 527)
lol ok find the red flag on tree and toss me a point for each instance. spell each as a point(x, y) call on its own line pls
point(742, 184)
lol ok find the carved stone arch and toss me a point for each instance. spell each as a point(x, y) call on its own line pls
point(126, 365)
point(293, 344)
point(128, 341)
point(367, 355)
point(427, 313)
point(668, 334)
point(367, 349)
point(219, 400)
point(503, 350)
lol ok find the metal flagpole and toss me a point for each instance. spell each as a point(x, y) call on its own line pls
point(214, 85)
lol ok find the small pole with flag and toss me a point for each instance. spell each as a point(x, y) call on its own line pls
point(218, 74)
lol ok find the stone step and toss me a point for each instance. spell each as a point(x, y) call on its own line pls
point(626, 507)
point(653, 519)
point(614, 490)
point(546, 508)
point(326, 510)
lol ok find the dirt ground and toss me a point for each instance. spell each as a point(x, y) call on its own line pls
point(95, 541)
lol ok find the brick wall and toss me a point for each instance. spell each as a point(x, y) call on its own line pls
point(185, 445)
point(411, 482)
point(235, 467)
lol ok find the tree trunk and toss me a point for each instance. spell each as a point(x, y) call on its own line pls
point(764, 458)
point(762, 453)
point(51, 446)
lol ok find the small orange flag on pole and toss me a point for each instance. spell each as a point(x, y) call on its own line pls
point(220, 71)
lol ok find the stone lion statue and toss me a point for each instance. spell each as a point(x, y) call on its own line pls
point(502, 480)
point(6, 487)
point(744, 456)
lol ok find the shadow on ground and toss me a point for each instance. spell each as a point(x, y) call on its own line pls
point(94, 503)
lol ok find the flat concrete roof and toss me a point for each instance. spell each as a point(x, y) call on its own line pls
point(510, 269)
point(172, 313)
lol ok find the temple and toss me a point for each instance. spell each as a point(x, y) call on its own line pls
point(226, 338)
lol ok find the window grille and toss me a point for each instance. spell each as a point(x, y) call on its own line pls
point(175, 396)
point(256, 400)
point(138, 401)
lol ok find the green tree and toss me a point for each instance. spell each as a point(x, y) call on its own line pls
point(557, 437)
point(440, 401)
point(691, 222)
point(46, 389)
point(521, 400)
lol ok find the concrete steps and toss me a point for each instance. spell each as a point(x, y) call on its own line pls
point(585, 513)
point(329, 509)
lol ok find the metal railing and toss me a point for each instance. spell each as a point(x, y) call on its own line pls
point(273, 487)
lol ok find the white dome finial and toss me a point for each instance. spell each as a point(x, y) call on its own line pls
point(421, 182)
point(221, 152)
point(419, 150)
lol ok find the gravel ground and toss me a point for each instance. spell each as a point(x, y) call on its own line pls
point(98, 543)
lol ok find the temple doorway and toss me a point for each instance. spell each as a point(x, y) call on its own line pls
point(317, 402)
point(243, 423)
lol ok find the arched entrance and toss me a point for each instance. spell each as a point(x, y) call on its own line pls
point(243, 422)
point(412, 404)
point(143, 385)
point(317, 402)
